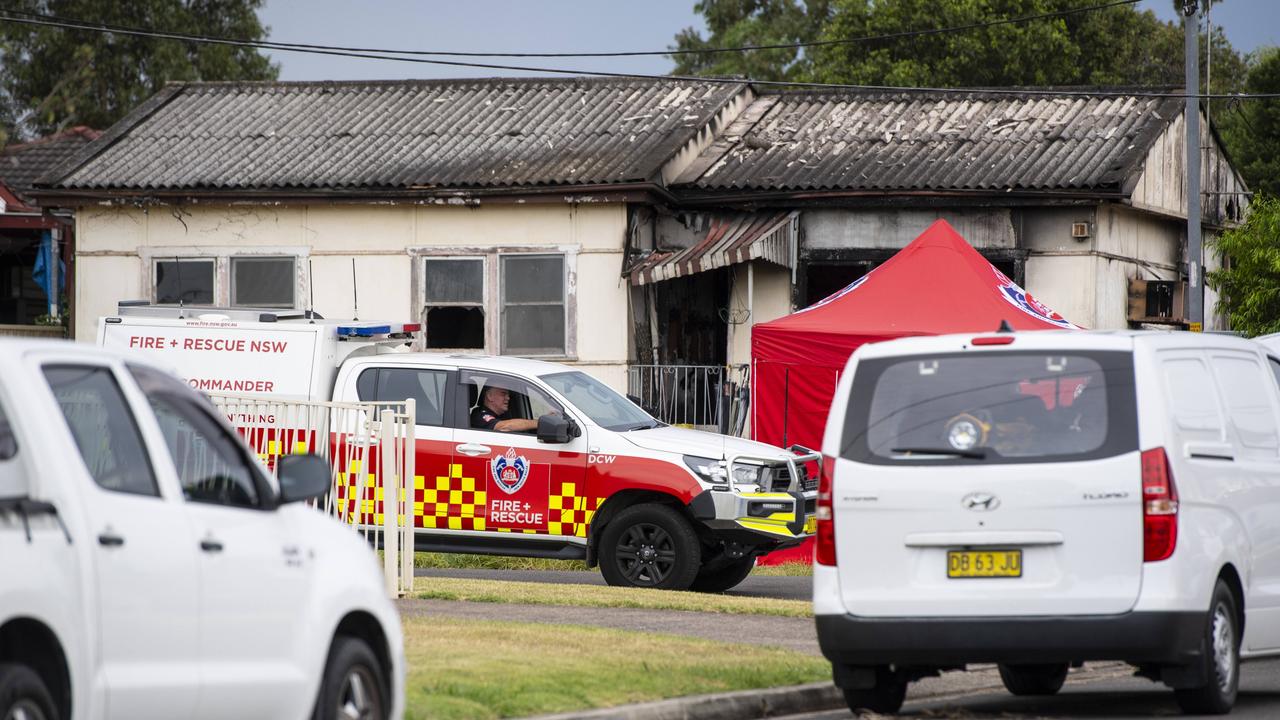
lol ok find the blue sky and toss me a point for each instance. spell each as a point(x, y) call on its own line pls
point(557, 26)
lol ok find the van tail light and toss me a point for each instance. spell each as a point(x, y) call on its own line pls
point(824, 550)
point(1159, 507)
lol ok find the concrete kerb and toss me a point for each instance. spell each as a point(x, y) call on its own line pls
point(815, 697)
point(740, 705)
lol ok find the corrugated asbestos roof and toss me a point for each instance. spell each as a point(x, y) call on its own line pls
point(22, 163)
point(398, 134)
point(729, 239)
point(910, 141)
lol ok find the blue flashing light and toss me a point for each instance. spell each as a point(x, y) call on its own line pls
point(363, 330)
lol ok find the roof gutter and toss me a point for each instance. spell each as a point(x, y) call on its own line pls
point(813, 197)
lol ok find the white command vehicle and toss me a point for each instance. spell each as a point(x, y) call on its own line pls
point(1044, 499)
point(560, 466)
point(151, 568)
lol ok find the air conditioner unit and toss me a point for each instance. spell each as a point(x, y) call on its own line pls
point(1156, 301)
point(1081, 231)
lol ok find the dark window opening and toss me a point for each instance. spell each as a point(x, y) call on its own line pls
point(188, 281)
point(455, 327)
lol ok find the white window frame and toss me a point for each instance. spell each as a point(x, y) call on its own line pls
point(221, 256)
point(492, 297)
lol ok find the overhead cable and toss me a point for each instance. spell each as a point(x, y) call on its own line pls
point(22, 18)
point(636, 53)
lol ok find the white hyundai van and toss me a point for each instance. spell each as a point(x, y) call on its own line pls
point(1040, 500)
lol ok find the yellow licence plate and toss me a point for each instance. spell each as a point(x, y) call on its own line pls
point(984, 563)
point(811, 525)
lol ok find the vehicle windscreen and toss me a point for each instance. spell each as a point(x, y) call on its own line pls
point(600, 402)
point(1011, 407)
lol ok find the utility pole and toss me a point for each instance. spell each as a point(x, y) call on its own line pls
point(1195, 249)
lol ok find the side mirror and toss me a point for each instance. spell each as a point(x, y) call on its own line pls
point(557, 429)
point(302, 477)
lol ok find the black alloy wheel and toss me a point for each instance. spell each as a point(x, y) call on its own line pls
point(649, 546)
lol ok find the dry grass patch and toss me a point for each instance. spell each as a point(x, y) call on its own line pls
point(477, 670)
point(503, 591)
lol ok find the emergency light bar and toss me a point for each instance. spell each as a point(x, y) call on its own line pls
point(363, 331)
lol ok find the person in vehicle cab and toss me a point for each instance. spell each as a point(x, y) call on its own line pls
point(494, 413)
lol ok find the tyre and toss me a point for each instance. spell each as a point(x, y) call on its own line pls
point(23, 695)
point(718, 577)
point(353, 685)
point(1221, 658)
point(885, 698)
point(1034, 679)
point(649, 546)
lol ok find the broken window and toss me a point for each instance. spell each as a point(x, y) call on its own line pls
point(455, 317)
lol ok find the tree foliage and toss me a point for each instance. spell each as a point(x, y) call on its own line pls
point(54, 78)
point(1252, 128)
point(741, 23)
point(1250, 283)
point(1115, 46)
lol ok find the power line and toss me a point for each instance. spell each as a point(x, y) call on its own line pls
point(635, 53)
point(214, 40)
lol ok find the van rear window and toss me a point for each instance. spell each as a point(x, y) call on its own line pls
point(992, 407)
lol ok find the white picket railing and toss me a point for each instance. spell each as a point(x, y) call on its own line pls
point(365, 444)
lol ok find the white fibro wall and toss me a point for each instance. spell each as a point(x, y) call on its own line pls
point(118, 248)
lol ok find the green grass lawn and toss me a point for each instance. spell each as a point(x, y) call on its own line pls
point(496, 562)
point(465, 669)
point(504, 591)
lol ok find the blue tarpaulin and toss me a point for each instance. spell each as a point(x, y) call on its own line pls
point(45, 279)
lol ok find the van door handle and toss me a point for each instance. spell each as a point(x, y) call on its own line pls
point(211, 546)
point(473, 449)
point(1210, 451)
point(109, 539)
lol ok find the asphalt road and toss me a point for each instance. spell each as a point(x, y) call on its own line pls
point(1105, 691)
point(785, 588)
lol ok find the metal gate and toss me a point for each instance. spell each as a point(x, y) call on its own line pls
point(366, 445)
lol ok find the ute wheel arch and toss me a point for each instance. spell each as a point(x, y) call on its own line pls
point(365, 627)
point(29, 642)
point(1231, 577)
point(620, 501)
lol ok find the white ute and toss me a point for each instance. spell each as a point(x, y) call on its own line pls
point(1040, 500)
point(567, 468)
point(150, 567)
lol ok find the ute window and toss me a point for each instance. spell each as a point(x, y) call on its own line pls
point(103, 427)
point(426, 387)
point(991, 407)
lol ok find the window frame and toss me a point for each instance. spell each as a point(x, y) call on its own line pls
point(492, 296)
point(502, 303)
point(155, 272)
point(221, 256)
point(231, 279)
point(484, 303)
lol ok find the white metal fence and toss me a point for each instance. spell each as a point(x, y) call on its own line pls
point(713, 396)
point(371, 452)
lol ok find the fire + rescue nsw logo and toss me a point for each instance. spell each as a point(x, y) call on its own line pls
point(510, 471)
point(1023, 300)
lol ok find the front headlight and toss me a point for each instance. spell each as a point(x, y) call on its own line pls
point(714, 472)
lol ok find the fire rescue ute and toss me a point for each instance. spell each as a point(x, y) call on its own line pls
point(514, 456)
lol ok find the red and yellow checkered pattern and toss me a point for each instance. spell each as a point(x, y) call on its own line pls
point(452, 502)
point(365, 510)
point(570, 513)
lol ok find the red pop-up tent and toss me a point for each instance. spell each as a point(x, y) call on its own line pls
point(937, 284)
